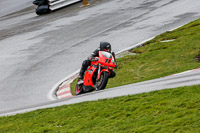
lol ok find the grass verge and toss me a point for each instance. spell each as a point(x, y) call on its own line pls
point(171, 110)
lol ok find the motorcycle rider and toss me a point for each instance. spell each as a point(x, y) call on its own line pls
point(104, 46)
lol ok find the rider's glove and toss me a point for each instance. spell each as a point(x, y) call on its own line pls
point(113, 54)
point(90, 58)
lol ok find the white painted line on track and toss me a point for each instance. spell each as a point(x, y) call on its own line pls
point(134, 46)
point(197, 69)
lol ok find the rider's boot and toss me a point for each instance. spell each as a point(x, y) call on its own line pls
point(81, 73)
point(80, 77)
point(84, 66)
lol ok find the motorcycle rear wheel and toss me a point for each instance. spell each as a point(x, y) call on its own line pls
point(102, 82)
point(79, 88)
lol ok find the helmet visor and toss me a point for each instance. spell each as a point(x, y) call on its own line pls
point(107, 50)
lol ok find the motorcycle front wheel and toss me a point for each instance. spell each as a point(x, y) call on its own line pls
point(102, 82)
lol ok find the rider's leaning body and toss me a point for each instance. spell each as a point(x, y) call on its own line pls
point(104, 46)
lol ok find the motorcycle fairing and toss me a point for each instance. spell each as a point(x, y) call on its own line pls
point(89, 74)
point(107, 60)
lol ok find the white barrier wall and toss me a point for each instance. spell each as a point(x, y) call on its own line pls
point(56, 4)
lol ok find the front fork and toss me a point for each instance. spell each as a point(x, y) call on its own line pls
point(98, 77)
point(100, 71)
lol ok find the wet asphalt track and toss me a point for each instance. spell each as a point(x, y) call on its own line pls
point(11, 6)
point(38, 51)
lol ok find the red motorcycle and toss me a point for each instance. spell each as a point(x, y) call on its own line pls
point(96, 76)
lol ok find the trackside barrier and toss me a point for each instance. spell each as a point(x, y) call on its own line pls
point(46, 6)
point(56, 4)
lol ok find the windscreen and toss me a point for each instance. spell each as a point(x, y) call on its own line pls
point(106, 54)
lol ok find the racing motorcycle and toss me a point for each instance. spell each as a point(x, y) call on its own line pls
point(96, 75)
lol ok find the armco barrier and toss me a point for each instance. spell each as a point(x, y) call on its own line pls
point(46, 6)
point(56, 4)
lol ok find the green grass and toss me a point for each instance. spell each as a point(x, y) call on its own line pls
point(171, 110)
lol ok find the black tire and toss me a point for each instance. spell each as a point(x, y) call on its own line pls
point(102, 82)
point(43, 9)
